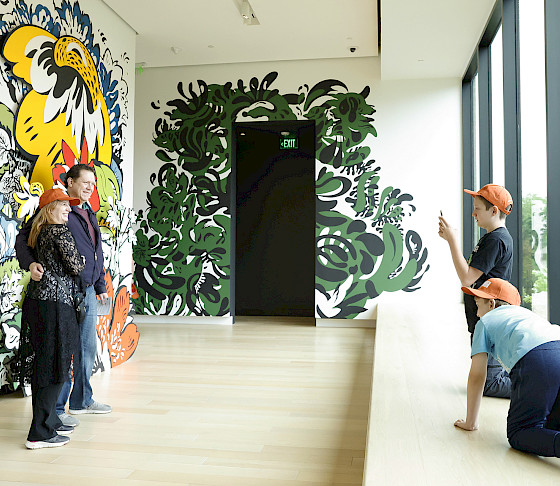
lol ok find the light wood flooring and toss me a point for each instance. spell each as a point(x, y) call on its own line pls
point(266, 402)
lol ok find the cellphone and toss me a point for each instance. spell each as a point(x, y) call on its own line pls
point(103, 307)
point(440, 213)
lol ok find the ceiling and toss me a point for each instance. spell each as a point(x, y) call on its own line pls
point(419, 38)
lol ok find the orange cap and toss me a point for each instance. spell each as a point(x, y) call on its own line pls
point(57, 195)
point(496, 195)
point(496, 288)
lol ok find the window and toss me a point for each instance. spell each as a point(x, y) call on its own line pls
point(497, 70)
point(514, 80)
point(534, 279)
point(476, 158)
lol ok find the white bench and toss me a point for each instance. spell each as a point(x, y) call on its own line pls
point(420, 369)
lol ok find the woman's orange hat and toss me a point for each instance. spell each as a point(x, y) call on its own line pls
point(57, 195)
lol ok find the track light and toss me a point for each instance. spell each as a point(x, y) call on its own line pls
point(249, 17)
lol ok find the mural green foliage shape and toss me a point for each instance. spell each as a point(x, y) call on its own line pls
point(182, 252)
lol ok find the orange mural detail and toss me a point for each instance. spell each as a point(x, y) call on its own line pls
point(70, 159)
point(117, 338)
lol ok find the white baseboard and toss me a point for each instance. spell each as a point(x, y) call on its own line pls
point(143, 319)
point(367, 323)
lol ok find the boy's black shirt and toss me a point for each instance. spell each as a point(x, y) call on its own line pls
point(493, 256)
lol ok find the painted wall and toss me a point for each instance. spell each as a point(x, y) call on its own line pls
point(66, 85)
point(384, 151)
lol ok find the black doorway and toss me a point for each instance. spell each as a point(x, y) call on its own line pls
point(274, 237)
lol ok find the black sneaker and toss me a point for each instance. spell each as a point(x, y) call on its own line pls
point(56, 441)
point(64, 430)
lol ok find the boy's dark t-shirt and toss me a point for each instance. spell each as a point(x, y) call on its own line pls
point(493, 256)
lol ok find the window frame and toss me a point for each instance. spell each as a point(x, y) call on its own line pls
point(506, 14)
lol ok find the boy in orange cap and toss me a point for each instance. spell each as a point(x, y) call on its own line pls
point(492, 257)
point(528, 347)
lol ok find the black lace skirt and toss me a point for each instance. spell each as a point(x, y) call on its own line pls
point(50, 335)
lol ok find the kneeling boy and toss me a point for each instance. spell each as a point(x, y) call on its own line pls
point(528, 347)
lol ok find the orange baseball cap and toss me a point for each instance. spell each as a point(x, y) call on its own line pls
point(496, 195)
point(496, 288)
point(57, 195)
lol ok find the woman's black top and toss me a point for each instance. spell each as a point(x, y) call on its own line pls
point(49, 330)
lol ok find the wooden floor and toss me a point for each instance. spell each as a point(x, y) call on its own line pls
point(260, 403)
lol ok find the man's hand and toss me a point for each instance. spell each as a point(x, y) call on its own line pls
point(36, 270)
point(445, 231)
point(462, 424)
point(103, 297)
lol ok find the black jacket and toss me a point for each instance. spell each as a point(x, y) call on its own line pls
point(93, 273)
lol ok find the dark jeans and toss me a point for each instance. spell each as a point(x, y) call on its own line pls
point(82, 394)
point(533, 423)
point(498, 383)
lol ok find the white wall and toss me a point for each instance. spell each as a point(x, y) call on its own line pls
point(418, 145)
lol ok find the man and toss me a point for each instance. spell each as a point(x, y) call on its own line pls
point(80, 183)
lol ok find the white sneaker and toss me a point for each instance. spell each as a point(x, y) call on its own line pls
point(95, 407)
point(56, 441)
point(68, 420)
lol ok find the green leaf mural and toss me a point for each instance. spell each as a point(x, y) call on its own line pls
point(182, 252)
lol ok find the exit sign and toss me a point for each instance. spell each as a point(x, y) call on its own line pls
point(290, 142)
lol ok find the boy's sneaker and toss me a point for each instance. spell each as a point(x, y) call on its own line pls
point(64, 430)
point(56, 441)
point(95, 407)
point(68, 420)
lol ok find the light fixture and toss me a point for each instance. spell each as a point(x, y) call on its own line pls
point(249, 17)
point(246, 10)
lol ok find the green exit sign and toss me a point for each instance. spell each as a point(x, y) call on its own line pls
point(289, 143)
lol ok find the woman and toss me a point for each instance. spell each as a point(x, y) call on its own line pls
point(50, 332)
point(528, 347)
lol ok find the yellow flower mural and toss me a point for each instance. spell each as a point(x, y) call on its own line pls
point(28, 199)
point(65, 102)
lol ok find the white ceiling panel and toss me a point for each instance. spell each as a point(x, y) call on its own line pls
point(289, 29)
point(419, 38)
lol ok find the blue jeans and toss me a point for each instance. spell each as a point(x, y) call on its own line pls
point(81, 396)
point(533, 423)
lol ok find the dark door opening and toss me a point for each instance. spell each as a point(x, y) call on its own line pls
point(274, 173)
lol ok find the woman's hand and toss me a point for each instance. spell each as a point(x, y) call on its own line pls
point(462, 424)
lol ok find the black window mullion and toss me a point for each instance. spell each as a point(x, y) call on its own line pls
point(552, 59)
point(468, 163)
point(512, 135)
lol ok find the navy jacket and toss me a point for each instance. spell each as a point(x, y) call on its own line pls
point(93, 273)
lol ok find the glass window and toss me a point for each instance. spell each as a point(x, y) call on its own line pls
point(533, 155)
point(476, 149)
point(497, 71)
